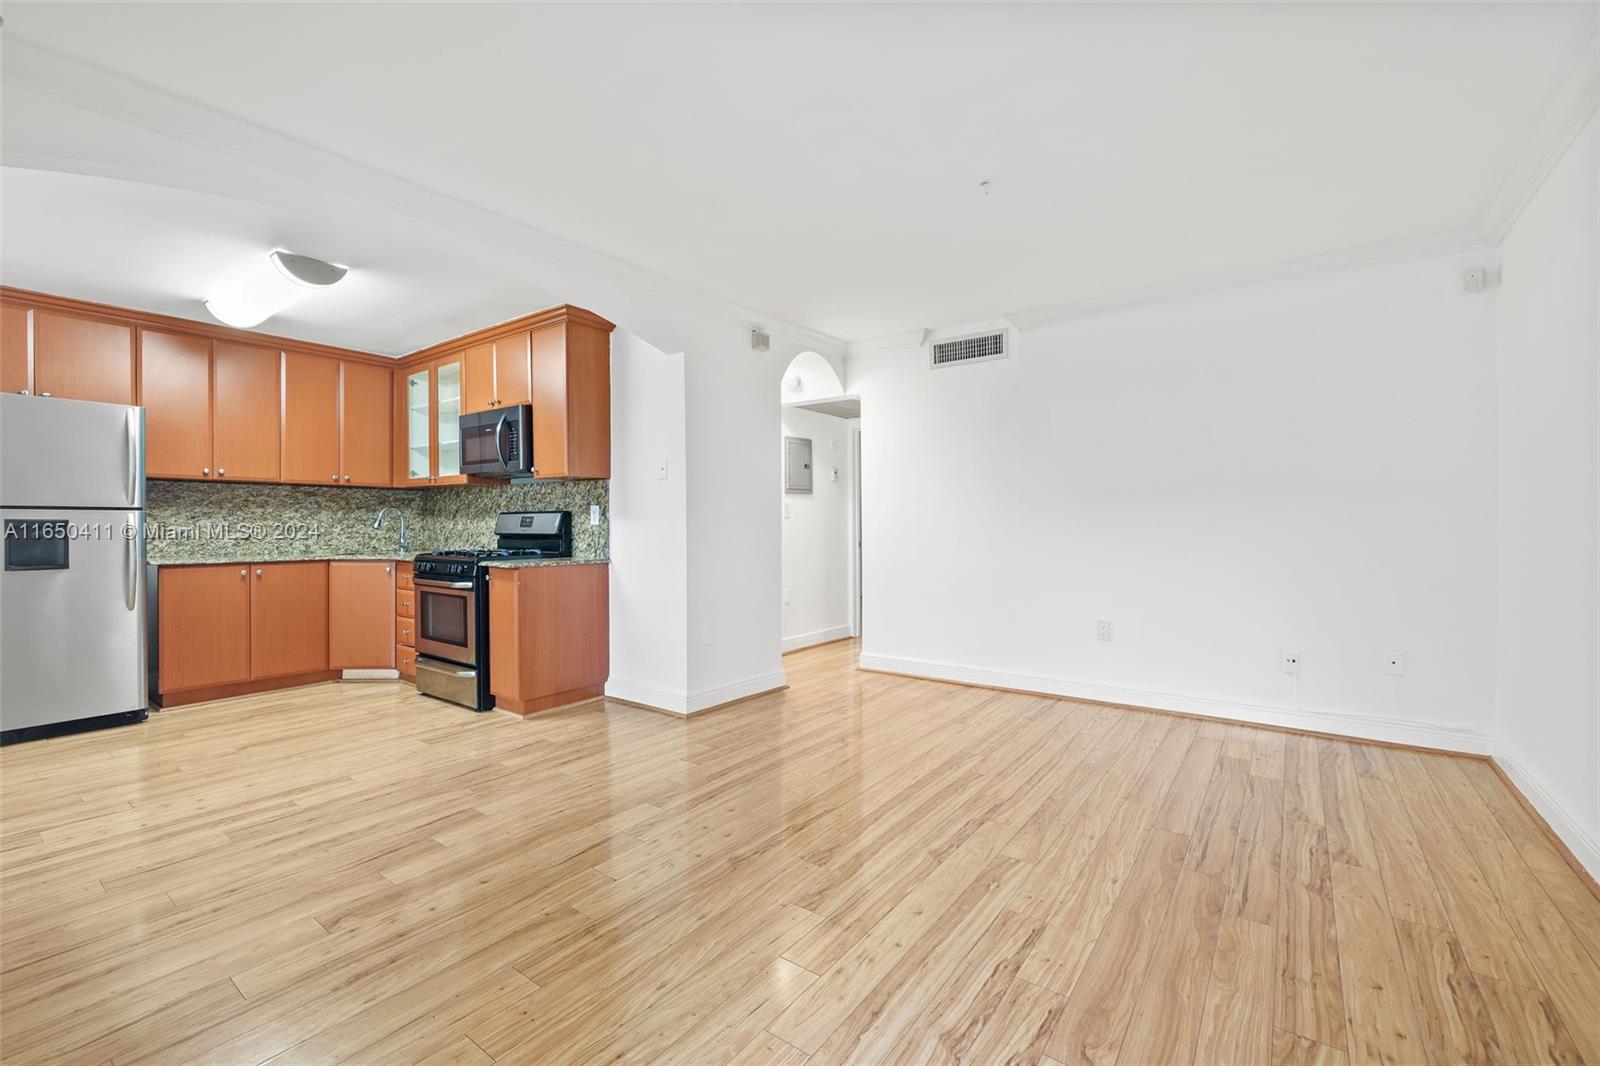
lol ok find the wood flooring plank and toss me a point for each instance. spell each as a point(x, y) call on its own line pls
point(1289, 1049)
point(1527, 1024)
point(1170, 1006)
point(1236, 1019)
point(1101, 1002)
point(1456, 1024)
point(1382, 1024)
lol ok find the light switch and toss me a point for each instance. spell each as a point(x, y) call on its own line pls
point(594, 514)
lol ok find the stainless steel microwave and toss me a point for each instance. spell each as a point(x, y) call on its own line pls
point(498, 443)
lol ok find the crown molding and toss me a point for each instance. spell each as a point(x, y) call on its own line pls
point(1565, 112)
point(99, 91)
point(144, 320)
point(521, 324)
point(1343, 261)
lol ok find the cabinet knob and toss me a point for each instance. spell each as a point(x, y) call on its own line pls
point(347, 477)
point(242, 571)
point(24, 392)
point(336, 477)
point(222, 471)
point(258, 572)
point(206, 470)
point(44, 394)
point(386, 569)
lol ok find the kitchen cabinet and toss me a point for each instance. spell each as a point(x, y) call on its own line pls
point(405, 611)
point(203, 626)
point(78, 357)
point(175, 388)
point(365, 435)
point(428, 439)
point(310, 427)
point(495, 373)
point(360, 606)
point(570, 375)
point(246, 413)
point(211, 408)
point(549, 637)
point(16, 348)
point(288, 619)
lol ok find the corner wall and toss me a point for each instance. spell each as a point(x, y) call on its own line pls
point(1547, 697)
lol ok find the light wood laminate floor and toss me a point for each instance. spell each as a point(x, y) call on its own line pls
point(863, 868)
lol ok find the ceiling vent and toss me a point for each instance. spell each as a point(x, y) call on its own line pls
point(976, 348)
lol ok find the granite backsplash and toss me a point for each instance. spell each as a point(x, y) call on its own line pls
point(190, 521)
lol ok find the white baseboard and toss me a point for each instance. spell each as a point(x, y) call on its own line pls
point(1583, 846)
point(1358, 726)
point(371, 675)
point(819, 636)
point(688, 703)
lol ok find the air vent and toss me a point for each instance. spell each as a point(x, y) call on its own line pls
point(977, 348)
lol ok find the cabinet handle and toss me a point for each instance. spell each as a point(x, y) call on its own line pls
point(206, 470)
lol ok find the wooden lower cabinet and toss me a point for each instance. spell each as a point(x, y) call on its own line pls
point(226, 629)
point(405, 611)
point(204, 626)
point(549, 635)
point(288, 619)
point(359, 598)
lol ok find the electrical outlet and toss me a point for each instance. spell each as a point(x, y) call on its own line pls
point(594, 514)
point(1102, 630)
point(787, 598)
point(705, 634)
point(1290, 662)
point(1395, 664)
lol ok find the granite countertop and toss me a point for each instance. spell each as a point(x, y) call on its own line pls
point(391, 557)
point(508, 564)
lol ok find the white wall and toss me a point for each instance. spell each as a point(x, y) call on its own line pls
point(816, 532)
point(1548, 696)
point(649, 524)
point(1305, 467)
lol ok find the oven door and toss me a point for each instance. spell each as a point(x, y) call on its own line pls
point(447, 626)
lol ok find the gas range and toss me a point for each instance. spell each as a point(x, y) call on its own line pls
point(452, 603)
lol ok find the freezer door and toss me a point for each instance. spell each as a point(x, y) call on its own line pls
point(70, 453)
point(72, 615)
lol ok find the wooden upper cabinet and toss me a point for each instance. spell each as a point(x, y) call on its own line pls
point(175, 388)
point(365, 436)
point(477, 378)
point(288, 619)
point(361, 615)
point(245, 412)
point(310, 419)
point(511, 384)
point(80, 358)
point(16, 356)
point(204, 626)
point(570, 366)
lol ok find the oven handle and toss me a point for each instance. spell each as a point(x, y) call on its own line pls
point(444, 584)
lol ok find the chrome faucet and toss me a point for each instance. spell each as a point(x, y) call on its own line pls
point(377, 523)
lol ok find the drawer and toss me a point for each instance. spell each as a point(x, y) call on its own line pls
point(405, 631)
point(405, 603)
point(402, 575)
point(405, 658)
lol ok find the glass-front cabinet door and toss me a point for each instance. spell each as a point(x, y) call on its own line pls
point(419, 420)
point(448, 379)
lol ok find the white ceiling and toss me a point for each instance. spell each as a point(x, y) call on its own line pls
point(819, 164)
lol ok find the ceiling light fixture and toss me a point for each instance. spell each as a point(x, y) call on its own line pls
point(270, 286)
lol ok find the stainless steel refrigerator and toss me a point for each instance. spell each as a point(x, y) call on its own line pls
point(72, 595)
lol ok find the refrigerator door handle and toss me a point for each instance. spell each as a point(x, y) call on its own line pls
point(130, 573)
point(133, 460)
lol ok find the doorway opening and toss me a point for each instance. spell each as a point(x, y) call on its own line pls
point(820, 488)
